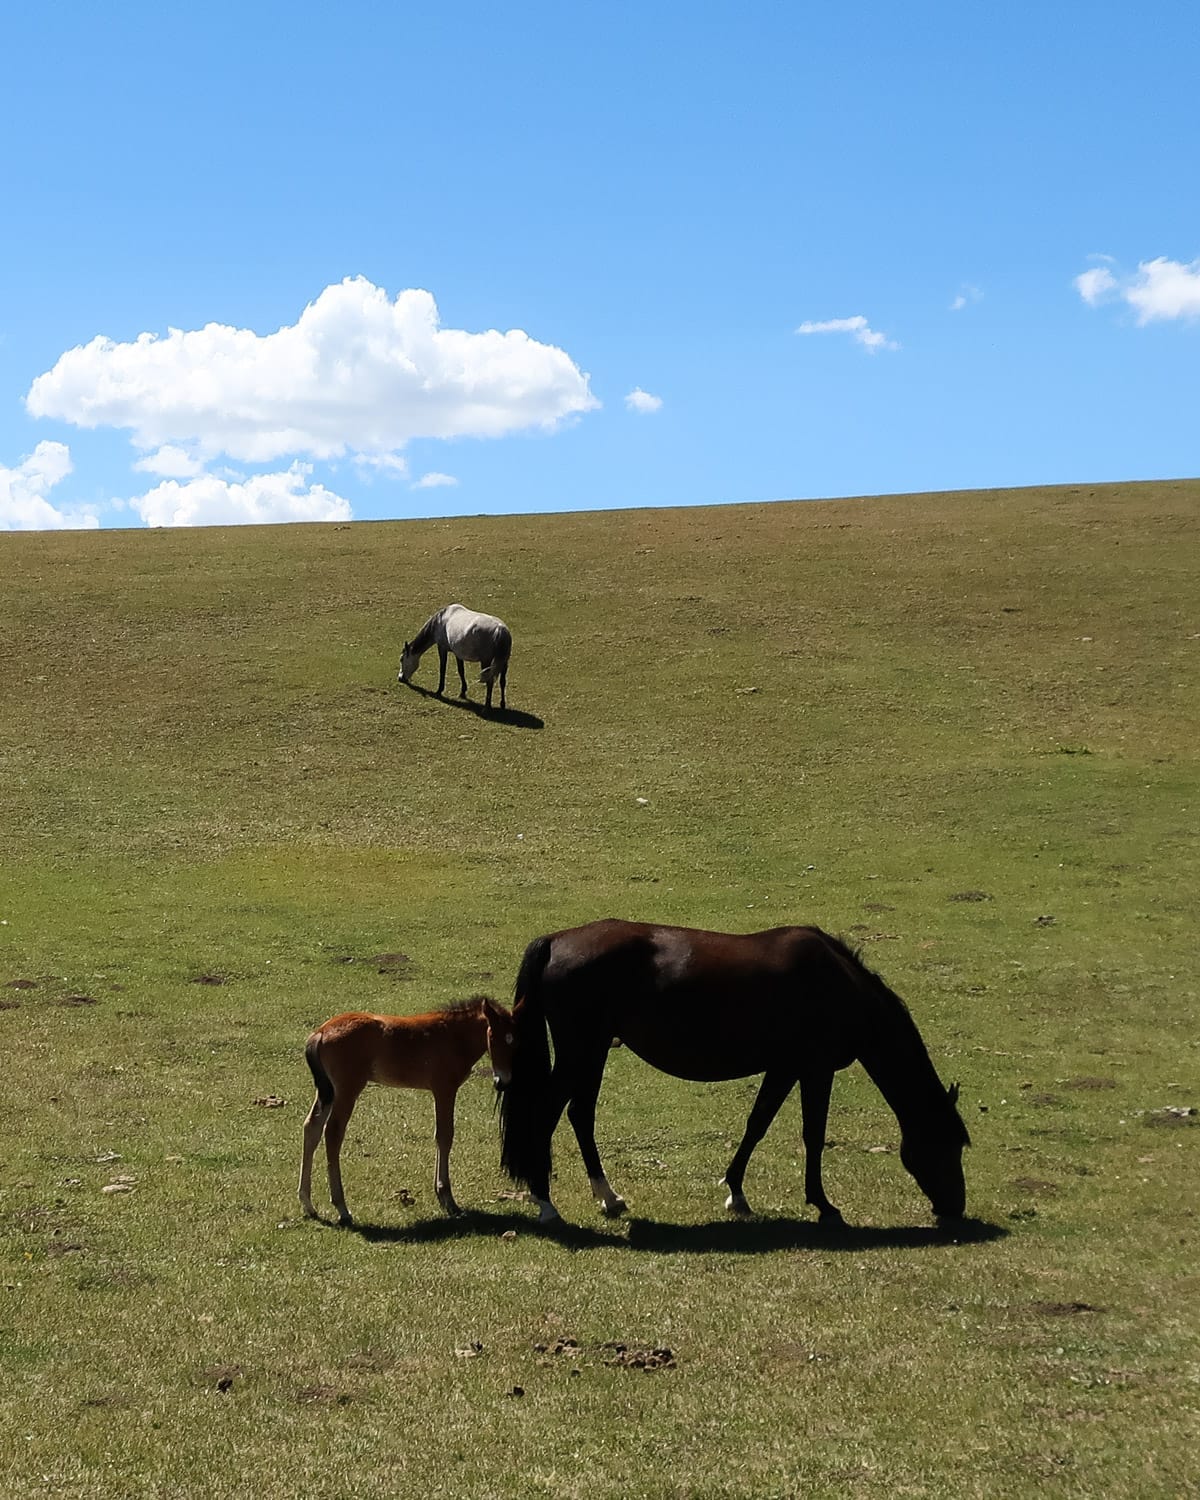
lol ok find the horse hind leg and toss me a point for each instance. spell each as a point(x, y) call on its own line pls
point(314, 1128)
point(582, 1114)
point(774, 1090)
point(335, 1134)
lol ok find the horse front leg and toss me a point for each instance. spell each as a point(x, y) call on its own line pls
point(582, 1114)
point(773, 1091)
point(443, 653)
point(462, 677)
point(443, 1111)
point(503, 682)
point(815, 1089)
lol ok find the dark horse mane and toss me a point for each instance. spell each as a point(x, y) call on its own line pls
point(904, 1032)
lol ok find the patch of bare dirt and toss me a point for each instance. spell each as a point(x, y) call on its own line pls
point(1063, 1309)
point(1091, 1084)
point(1036, 1187)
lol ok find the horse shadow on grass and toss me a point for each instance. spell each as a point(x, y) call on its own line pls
point(515, 718)
point(755, 1236)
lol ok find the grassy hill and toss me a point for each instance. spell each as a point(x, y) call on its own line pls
point(957, 729)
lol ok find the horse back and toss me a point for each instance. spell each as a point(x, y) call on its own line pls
point(475, 636)
point(412, 1052)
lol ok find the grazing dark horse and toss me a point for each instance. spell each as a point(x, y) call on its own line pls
point(467, 636)
point(793, 1004)
point(435, 1051)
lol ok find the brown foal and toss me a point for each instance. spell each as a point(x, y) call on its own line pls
point(435, 1052)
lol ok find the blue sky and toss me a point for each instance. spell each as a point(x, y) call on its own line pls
point(596, 202)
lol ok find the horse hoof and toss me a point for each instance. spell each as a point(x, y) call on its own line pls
point(614, 1208)
point(548, 1214)
point(345, 1221)
point(831, 1219)
point(736, 1204)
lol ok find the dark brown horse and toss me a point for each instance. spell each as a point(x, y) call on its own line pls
point(793, 1004)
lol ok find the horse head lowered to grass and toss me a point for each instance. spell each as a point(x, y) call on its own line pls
point(792, 1003)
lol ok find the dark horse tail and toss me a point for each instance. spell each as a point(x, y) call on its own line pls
point(524, 1139)
point(312, 1056)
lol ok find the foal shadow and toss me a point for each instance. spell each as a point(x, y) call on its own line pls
point(755, 1236)
point(515, 718)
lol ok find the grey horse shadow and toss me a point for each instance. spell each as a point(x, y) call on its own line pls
point(515, 718)
point(755, 1236)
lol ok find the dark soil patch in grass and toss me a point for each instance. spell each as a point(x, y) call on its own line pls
point(208, 979)
point(632, 1357)
point(77, 1000)
point(1063, 1309)
point(21, 984)
point(970, 896)
point(323, 1395)
point(1035, 1187)
point(1090, 1083)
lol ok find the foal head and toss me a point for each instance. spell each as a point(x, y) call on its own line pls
point(408, 662)
point(500, 1039)
point(932, 1154)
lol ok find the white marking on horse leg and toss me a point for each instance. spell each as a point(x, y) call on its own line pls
point(736, 1204)
point(612, 1203)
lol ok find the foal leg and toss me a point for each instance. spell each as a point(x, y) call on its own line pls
point(774, 1090)
point(335, 1133)
point(582, 1114)
point(443, 1109)
point(462, 677)
point(815, 1089)
point(314, 1126)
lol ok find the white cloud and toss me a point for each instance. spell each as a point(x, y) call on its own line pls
point(642, 401)
point(170, 462)
point(1165, 289)
point(23, 503)
point(1094, 285)
point(1160, 290)
point(434, 481)
point(858, 327)
point(213, 501)
point(356, 373)
point(965, 298)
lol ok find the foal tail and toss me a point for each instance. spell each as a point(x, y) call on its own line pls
point(524, 1139)
point(312, 1056)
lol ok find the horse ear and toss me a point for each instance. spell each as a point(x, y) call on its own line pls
point(952, 1093)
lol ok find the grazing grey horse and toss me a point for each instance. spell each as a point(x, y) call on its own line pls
point(471, 637)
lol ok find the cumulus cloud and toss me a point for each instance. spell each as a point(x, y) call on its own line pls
point(356, 373)
point(170, 463)
point(23, 503)
point(1094, 285)
point(965, 298)
point(1160, 290)
point(1165, 289)
point(857, 327)
point(642, 401)
point(211, 500)
point(434, 481)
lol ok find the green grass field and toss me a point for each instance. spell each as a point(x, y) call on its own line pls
point(959, 730)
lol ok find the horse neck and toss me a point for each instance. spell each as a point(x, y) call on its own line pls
point(427, 634)
point(897, 1063)
point(471, 1024)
